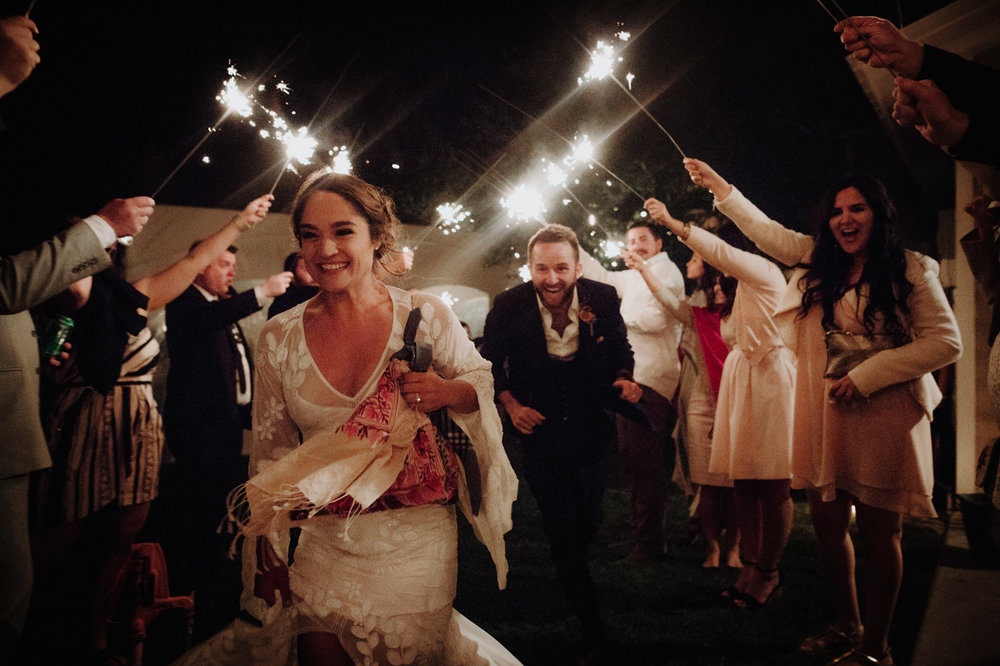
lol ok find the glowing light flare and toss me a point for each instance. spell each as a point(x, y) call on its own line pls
point(602, 63)
point(452, 217)
point(612, 248)
point(299, 146)
point(341, 161)
point(525, 273)
point(524, 204)
point(234, 99)
point(582, 150)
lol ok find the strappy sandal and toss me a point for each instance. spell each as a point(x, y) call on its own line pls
point(858, 658)
point(747, 601)
point(832, 640)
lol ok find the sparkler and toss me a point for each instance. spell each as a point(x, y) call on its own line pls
point(602, 65)
point(234, 100)
point(557, 134)
point(27, 12)
point(864, 38)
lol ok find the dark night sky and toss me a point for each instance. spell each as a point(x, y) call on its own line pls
point(761, 90)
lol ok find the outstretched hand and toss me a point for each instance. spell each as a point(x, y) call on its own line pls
point(880, 44)
point(923, 106)
point(127, 216)
point(705, 176)
point(254, 212)
point(18, 51)
point(658, 213)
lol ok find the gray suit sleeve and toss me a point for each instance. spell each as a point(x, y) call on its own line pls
point(37, 274)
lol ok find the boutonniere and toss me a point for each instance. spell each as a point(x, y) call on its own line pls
point(587, 316)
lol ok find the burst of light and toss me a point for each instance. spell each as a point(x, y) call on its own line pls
point(395, 166)
point(592, 220)
point(233, 98)
point(623, 35)
point(524, 204)
point(582, 151)
point(602, 62)
point(299, 146)
point(206, 159)
point(525, 273)
point(341, 162)
point(448, 298)
point(452, 217)
point(281, 86)
point(612, 249)
point(629, 78)
point(555, 175)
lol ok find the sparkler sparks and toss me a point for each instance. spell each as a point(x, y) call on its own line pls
point(525, 204)
point(452, 217)
point(341, 162)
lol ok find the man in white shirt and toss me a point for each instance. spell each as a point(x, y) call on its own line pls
point(646, 451)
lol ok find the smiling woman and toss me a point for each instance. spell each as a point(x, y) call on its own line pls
point(862, 439)
point(343, 450)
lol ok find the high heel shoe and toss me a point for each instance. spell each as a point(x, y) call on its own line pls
point(747, 601)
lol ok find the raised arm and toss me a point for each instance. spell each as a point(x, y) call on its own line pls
point(668, 297)
point(785, 245)
point(169, 283)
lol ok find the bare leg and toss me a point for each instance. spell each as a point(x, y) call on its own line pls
point(774, 501)
point(749, 517)
point(882, 531)
point(831, 521)
point(710, 521)
point(322, 649)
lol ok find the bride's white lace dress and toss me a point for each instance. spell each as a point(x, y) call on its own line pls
point(374, 497)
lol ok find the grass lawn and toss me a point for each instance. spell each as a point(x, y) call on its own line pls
point(668, 612)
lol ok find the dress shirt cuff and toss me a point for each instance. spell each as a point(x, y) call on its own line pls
point(105, 234)
point(258, 295)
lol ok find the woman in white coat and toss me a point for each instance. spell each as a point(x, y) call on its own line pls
point(863, 437)
point(752, 437)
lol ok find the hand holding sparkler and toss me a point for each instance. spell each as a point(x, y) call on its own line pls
point(705, 176)
point(658, 213)
point(127, 216)
point(879, 44)
point(18, 51)
point(924, 107)
point(253, 213)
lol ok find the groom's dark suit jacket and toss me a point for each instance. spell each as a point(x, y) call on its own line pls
point(514, 341)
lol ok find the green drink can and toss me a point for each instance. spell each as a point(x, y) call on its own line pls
point(56, 333)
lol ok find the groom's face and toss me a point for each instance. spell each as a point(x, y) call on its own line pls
point(554, 272)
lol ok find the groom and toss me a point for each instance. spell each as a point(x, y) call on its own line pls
point(561, 359)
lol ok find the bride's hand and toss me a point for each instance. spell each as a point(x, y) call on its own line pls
point(271, 578)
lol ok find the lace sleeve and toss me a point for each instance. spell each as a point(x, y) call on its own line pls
point(455, 357)
point(274, 432)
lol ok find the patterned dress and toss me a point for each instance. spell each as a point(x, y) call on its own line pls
point(106, 447)
point(373, 491)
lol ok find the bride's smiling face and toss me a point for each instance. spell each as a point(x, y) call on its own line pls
point(336, 243)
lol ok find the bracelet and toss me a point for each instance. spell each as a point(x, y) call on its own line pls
point(687, 232)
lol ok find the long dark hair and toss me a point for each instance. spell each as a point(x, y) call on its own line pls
point(884, 273)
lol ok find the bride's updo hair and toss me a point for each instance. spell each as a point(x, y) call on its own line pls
point(371, 202)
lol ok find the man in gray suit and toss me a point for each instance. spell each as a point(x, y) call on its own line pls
point(27, 279)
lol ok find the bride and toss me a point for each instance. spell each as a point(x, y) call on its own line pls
point(343, 450)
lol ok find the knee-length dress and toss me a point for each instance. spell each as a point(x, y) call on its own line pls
point(880, 451)
point(697, 391)
point(374, 495)
point(106, 442)
point(752, 438)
